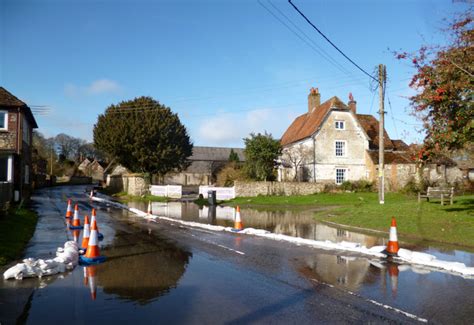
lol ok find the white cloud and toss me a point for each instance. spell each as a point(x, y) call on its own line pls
point(97, 87)
point(103, 86)
point(228, 129)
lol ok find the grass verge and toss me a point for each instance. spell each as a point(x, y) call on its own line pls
point(453, 224)
point(124, 197)
point(16, 228)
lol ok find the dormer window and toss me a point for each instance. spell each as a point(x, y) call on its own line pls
point(340, 125)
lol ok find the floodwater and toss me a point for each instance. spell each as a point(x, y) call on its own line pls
point(421, 291)
point(157, 272)
point(296, 223)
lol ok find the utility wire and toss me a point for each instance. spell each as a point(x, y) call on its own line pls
point(315, 47)
point(393, 118)
point(329, 41)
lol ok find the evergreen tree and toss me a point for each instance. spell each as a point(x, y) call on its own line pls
point(144, 136)
point(261, 152)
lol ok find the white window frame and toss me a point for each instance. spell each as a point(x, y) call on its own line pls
point(9, 176)
point(344, 148)
point(5, 121)
point(340, 125)
point(344, 176)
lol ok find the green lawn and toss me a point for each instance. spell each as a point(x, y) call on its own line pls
point(453, 224)
point(16, 229)
point(124, 197)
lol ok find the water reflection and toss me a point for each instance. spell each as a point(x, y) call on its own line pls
point(140, 267)
point(291, 223)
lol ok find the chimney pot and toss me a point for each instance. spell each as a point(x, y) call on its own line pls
point(314, 99)
point(352, 103)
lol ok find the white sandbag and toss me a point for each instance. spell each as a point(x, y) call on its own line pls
point(66, 258)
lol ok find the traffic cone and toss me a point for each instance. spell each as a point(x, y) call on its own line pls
point(91, 271)
point(150, 212)
point(86, 233)
point(92, 255)
point(76, 222)
point(86, 276)
point(93, 217)
point(238, 225)
point(393, 272)
point(69, 209)
point(75, 235)
point(392, 247)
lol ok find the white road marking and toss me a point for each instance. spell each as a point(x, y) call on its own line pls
point(412, 316)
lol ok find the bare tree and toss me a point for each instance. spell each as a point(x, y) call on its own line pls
point(297, 156)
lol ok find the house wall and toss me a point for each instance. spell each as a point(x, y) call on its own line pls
point(356, 145)
point(8, 138)
point(186, 179)
point(441, 175)
point(396, 175)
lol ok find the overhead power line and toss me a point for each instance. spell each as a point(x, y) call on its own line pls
point(330, 42)
point(308, 41)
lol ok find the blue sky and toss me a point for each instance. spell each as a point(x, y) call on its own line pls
point(227, 68)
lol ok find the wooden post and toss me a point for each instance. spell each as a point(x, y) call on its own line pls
point(381, 134)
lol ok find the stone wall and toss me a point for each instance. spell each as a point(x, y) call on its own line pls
point(276, 188)
point(133, 184)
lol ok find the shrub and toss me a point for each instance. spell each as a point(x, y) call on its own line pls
point(357, 186)
point(230, 173)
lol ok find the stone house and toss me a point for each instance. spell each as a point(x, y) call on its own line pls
point(16, 132)
point(206, 162)
point(93, 168)
point(331, 143)
point(83, 165)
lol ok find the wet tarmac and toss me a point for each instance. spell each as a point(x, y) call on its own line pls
point(160, 272)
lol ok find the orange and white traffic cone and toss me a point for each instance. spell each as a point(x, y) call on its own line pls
point(392, 247)
point(75, 235)
point(92, 255)
point(94, 217)
point(69, 209)
point(238, 225)
point(91, 271)
point(393, 272)
point(76, 222)
point(86, 276)
point(86, 233)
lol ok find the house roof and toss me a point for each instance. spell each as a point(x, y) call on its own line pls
point(371, 128)
point(307, 124)
point(215, 153)
point(400, 145)
point(199, 167)
point(7, 99)
point(392, 157)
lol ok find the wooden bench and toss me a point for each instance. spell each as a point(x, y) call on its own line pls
point(441, 193)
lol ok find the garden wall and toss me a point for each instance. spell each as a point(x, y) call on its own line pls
point(276, 188)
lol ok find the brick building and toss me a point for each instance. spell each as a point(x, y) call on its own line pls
point(16, 126)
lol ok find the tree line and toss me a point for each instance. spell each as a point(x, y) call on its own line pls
point(62, 152)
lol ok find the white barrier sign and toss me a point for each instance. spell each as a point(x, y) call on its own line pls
point(222, 193)
point(173, 191)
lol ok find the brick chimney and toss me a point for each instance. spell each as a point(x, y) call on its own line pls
point(352, 104)
point(314, 99)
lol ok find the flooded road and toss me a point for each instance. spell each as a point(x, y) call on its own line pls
point(160, 272)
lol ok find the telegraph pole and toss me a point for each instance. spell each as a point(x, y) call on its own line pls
point(381, 133)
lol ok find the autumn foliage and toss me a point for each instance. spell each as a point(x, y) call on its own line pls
point(444, 82)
